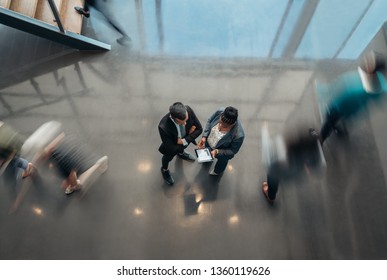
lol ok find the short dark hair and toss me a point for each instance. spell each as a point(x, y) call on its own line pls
point(178, 111)
point(229, 115)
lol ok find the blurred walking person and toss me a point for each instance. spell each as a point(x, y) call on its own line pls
point(85, 11)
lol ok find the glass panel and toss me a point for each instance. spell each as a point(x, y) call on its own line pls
point(332, 22)
point(247, 28)
point(367, 29)
point(289, 25)
point(244, 28)
point(151, 37)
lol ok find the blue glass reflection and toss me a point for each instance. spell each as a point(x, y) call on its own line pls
point(366, 30)
point(252, 28)
point(331, 23)
point(225, 28)
point(292, 18)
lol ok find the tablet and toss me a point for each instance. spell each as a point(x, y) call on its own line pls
point(203, 155)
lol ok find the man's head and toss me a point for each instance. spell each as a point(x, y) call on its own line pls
point(179, 112)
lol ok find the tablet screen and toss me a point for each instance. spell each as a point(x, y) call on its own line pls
point(203, 155)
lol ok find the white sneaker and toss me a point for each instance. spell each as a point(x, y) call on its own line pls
point(71, 189)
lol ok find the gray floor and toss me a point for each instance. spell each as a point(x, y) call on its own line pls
point(114, 101)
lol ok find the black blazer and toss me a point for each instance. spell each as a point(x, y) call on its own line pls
point(169, 134)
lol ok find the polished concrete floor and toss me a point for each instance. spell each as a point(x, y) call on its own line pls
point(114, 101)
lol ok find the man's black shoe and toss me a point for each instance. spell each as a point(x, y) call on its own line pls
point(82, 11)
point(186, 156)
point(167, 177)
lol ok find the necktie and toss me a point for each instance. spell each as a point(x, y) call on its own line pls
point(182, 130)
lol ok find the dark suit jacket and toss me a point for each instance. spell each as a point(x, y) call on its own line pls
point(230, 144)
point(169, 135)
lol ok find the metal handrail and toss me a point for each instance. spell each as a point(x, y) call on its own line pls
point(54, 10)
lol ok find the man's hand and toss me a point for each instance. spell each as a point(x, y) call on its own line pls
point(202, 142)
point(179, 141)
point(192, 129)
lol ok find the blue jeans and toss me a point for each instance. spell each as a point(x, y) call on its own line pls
point(15, 167)
point(18, 162)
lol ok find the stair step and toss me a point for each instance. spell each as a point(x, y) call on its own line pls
point(72, 21)
point(5, 3)
point(44, 13)
point(25, 7)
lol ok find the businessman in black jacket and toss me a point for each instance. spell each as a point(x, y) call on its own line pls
point(177, 129)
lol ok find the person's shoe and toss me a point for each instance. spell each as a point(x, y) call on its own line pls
point(340, 130)
point(213, 173)
point(167, 177)
point(82, 11)
point(265, 190)
point(124, 40)
point(29, 171)
point(103, 164)
point(313, 132)
point(70, 189)
point(187, 156)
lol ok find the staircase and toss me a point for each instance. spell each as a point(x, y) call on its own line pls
point(38, 17)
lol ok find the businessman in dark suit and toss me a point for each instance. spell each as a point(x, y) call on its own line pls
point(177, 129)
point(224, 135)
